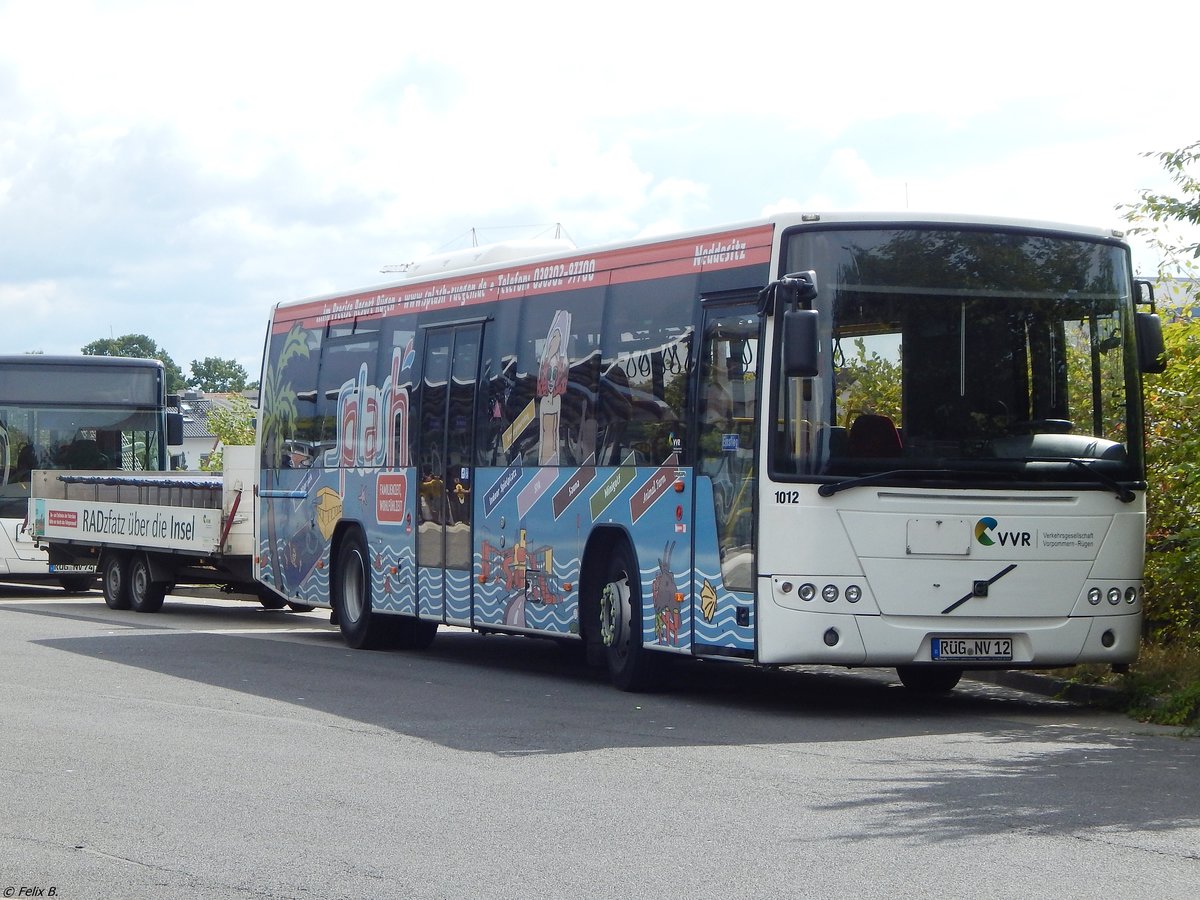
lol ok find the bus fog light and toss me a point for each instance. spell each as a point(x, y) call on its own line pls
point(786, 587)
point(854, 593)
point(807, 591)
point(832, 637)
point(1094, 596)
point(1114, 596)
point(1130, 594)
point(829, 593)
point(1108, 638)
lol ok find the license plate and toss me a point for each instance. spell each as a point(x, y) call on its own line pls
point(972, 649)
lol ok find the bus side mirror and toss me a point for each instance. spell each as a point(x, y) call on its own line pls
point(800, 346)
point(1152, 351)
point(174, 429)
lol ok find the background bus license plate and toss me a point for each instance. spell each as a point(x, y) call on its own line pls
point(975, 649)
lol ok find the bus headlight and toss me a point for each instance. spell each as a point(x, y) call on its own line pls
point(854, 593)
point(1130, 594)
point(1094, 596)
point(1114, 596)
point(807, 591)
point(829, 593)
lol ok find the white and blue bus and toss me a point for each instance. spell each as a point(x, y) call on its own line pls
point(71, 413)
point(901, 441)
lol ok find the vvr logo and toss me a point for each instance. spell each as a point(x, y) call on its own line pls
point(986, 534)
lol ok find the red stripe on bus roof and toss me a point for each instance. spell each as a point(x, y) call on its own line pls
point(578, 271)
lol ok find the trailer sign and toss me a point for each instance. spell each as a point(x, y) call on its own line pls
point(128, 523)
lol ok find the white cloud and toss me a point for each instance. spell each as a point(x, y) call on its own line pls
point(171, 163)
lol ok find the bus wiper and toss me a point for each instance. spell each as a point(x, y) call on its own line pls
point(829, 489)
point(1124, 494)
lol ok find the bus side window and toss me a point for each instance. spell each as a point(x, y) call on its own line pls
point(649, 346)
point(398, 345)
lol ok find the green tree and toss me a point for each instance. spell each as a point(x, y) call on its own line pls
point(218, 375)
point(1157, 216)
point(233, 425)
point(1173, 498)
point(138, 346)
point(1173, 411)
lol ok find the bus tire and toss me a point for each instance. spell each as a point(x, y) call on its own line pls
point(929, 679)
point(300, 607)
point(630, 666)
point(145, 594)
point(362, 628)
point(114, 578)
point(413, 633)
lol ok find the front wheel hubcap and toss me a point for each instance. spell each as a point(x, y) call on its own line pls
point(612, 611)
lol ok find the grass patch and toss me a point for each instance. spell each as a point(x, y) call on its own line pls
point(1163, 686)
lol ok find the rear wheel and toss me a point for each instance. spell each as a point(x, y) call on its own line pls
point(362, 628)
point(929, 679)
point(270, 600)
point(145, 594)
point(630, 666)
point(114, 577)
point(412, 633)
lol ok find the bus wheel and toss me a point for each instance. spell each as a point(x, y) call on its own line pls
point(300, 607)
point(145, 594)
point(414, 634)
point(361, 628)
point(270, 600)
point(929, 679)
point(77, 584)
point(630, 666)
point(114, 578)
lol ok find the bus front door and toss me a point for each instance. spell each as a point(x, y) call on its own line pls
point(446, 455)
point(726, 446)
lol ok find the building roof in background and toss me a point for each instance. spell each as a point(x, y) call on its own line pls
point(196, 406)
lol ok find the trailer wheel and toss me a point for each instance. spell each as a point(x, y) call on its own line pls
point(362, 628)
point(630, 666)
point(145, 594)
point(114, 576)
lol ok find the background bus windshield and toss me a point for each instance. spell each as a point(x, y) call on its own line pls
point(964, 349)
point(74, 416)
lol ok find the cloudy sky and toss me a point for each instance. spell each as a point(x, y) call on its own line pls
point(173, 169)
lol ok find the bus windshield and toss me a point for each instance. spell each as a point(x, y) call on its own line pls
point(973, 350)
point(77, 414)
